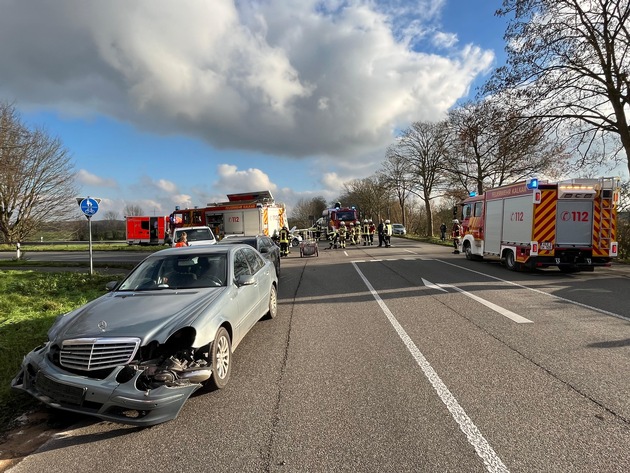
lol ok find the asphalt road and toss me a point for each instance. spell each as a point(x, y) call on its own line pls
point(407, 358)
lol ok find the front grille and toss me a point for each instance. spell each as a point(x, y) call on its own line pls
point(97, 353)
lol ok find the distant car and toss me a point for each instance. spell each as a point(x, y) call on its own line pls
point(137, 353)
point(264, 244)
point(398, 229)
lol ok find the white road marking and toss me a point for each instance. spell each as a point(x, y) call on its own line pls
point(519, 319)
point(538, 291)
point(433, 286)
point(490, 459)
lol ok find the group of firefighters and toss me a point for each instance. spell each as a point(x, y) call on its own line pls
point(355, 233)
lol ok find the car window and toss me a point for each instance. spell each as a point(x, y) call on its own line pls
point(254, 259)
point(263, 243)
point(240, 264)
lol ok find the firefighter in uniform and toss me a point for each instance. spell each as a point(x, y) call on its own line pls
point(343, 232)
point(284, 241)
point(388, 234)
point(372, 231)
point(456, 233)
point(333, 236)
point(357, 232)
point(365, 230)
point(351, 233)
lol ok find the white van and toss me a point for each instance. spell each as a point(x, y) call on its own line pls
point(195, 235)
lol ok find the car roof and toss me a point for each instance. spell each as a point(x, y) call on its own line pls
point(240, 238)
point(201, 249)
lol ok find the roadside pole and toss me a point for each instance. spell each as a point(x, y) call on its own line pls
point(89, 207)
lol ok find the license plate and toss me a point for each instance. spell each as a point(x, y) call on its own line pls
point(60, 392)
point(546, 245)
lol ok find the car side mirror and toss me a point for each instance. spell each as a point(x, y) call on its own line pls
point(245, 280)
point(111, 285)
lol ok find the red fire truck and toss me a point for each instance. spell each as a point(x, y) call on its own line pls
point(145, 230)
point(334, 216)
point(251, 213)
point(570, 224)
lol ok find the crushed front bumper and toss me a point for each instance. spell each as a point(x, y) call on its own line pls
point(107, 399)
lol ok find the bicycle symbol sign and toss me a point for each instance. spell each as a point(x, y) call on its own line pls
point(89, 206)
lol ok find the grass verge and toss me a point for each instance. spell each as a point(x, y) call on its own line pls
point(29, 303)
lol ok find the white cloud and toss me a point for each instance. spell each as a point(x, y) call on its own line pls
point(166, 186)
point(89, 179)
point(284, 77)
point(444, 40)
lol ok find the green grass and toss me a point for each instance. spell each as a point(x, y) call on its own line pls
point(29, 303)
point(83, 247)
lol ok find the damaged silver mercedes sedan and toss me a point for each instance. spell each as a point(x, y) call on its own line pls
point(137, 353)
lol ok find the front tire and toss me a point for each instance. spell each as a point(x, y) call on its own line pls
point(221, 354)
point(468, 251)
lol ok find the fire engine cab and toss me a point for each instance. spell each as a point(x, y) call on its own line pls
point(569, 224)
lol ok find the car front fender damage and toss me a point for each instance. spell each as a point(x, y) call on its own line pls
point(149, 390)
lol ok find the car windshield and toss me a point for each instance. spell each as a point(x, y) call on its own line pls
point(178, 272)
point(347, 215)
point(198, 234)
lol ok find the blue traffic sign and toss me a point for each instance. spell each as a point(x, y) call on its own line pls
point(89, 206)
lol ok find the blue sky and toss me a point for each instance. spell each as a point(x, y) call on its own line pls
point(179, 102)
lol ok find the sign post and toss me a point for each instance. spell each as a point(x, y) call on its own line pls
point(89, 207)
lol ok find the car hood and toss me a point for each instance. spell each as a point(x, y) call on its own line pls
point(150, 315)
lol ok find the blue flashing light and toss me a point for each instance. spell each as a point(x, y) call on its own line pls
point(532, 183)
point(472, 194)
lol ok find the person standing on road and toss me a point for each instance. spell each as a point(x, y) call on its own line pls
point(456, 233)
point(372, 231)
point(342, 234)
point(381, 233)
point(283, 239)
point(388, 233)
point(443, 231)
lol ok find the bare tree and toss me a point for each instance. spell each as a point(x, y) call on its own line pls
point(306, 211)
point(396, 175)
point(132, 210)
point(424, 147)
point(491, 146)
point(370, 196)
point(111, 215)
point(36, 178)
point(569, 63)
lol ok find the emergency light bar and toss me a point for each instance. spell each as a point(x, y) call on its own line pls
point(576, 191)
point(532, 183)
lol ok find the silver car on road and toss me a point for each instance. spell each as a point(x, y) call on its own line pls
point(136, 354)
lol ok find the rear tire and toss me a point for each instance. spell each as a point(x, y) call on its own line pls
point(273, 303)
point(510, 261)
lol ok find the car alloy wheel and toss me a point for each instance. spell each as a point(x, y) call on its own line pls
point(221, 358)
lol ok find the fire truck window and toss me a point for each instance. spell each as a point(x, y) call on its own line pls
point(197, 217)
point(185, 218)
point(478, 209)
point(144, 225)
point(467, 211)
